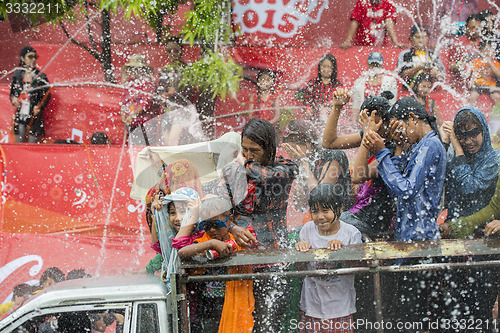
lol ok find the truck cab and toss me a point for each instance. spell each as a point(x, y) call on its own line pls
point(126, 303)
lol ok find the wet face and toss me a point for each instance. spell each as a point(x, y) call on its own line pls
point(424, 89)
point(265, 82)
point(174, 51)
point(324, 218)
point(176, 212)
point(420, 40)
point(48, 282)
point(30, 59)
point(253, 151)
point(326, 69)
point(472, 29)
point(470, 138)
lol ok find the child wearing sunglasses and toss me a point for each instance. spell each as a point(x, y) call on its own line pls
point(228, 304)
point(327, 301)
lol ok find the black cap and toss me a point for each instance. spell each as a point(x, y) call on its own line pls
point(27, 49)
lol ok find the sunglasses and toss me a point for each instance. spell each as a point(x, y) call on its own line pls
point(214, 224)
point(32, 56)
point(463, 135)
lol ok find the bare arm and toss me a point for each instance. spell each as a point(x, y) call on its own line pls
point(350, 35)
point(361, 171)
point(277, 113)
point(389, 25)
point(189, 251)
point(330, 138)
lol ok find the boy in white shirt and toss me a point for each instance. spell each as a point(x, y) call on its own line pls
point(327, 303)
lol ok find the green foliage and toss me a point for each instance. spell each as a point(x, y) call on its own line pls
point(142, 8)
point(213, 73)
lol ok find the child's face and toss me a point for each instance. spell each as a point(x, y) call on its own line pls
point(472, 29)
point(214, 229)
point(324, 218)
point(18, 300)
point(470, 138)
point(420, 40)
point(326, 69)
point(424, 89)
point(265, 82)
point(176, 212)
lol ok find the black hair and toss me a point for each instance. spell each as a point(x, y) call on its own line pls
point(465, 118)
point(484, 14)
point(301, 132)
point(406, 105)
point(380, 104)
point(473, 17)
point(262, 133)
point(25, 50)
point(265, 71)
point(175, 40)
point(52, 272)
point(419, 27)
point(328, 196)
point(333, 60)
point(22, 290)
point(77, 274)
point(99, 138)
point(422, 76)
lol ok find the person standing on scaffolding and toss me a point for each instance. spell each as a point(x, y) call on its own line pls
point(29, 94)
point(138, 81)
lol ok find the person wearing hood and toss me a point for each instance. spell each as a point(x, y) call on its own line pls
point(472, 177)
point(473, 165)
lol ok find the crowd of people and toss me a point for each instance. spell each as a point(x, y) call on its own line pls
point(410, 169)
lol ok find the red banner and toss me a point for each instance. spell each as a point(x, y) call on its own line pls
point(24, 257)
point(69, 189)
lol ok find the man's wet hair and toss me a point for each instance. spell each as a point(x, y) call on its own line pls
point(327, 196)
point(262, 133)
point(380, 104)
point(464, 119)
point(54, 273)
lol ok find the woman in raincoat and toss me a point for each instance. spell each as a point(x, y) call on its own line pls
point(472, 175)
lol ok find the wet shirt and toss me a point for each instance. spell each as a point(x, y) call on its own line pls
point(371, 18)
point(261, 196)
point(317, 94)
point(418, 187)
point(334, 296)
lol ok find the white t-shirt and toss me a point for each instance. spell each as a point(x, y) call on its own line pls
point(328, 297)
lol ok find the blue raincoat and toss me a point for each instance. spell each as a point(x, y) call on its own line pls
point(166, 230)
point(471, 179)
point(418, 188)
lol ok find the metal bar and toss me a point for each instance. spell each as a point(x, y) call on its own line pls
point(377, 291)
point(285, 274)
point(173, 300)
point(341, 271)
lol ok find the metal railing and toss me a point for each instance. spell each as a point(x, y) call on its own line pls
point(376, 258)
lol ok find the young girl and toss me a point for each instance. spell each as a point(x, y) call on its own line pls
point(418, 188)
point(268, 107)
point(422, 86)
point(331, 300)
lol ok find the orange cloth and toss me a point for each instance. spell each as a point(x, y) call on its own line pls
point(482, 74)
point(239, 302)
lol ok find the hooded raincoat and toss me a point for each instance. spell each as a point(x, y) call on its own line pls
point(471, 179)
point(418, 187)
